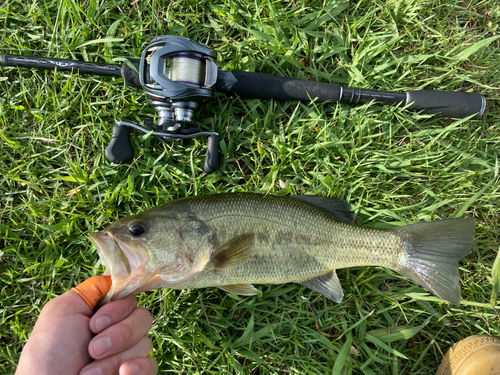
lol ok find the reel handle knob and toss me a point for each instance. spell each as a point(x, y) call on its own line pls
point(120, 149)
point(212, 158)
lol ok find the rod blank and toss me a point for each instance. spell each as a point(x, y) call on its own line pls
point(60, 64)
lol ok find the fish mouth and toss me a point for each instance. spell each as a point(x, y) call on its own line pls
point(127, 264)
point(122, 263)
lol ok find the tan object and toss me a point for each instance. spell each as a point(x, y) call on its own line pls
point(474, 355)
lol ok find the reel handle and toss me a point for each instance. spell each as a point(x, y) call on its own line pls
point(212, 158)
point(119, 149)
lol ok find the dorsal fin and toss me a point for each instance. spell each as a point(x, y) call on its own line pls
point(234, 252)
point(328, 285)
point(338, 209)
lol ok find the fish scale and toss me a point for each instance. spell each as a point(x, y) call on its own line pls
point(235, 240)
point(308, 255)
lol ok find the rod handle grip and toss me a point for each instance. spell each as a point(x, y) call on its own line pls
point(454, 104)
point(266, 86)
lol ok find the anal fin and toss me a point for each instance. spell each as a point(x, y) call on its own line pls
point(240, 289)
point(328, 285)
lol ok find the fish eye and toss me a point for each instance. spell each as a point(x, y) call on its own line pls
point(137, 229)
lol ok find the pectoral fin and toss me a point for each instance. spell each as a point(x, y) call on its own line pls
point(234, 253)
point(240, 289)
point(328, 285)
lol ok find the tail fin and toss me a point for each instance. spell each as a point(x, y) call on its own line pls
point(433, 252)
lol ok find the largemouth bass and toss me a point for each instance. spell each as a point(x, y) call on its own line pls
point(233, 241)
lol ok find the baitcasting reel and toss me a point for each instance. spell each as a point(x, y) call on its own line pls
point(178, 75)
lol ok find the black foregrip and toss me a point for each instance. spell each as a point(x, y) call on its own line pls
point(129, 75)
point(452, 104)
point(267, 86)
point(119, 149)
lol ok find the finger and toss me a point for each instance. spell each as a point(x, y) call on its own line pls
point(111, 365)
point(140, 366)
point(112, 313)
point(122, 335)
point(93, 290)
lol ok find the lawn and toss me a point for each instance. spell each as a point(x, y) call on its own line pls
point(393, 166)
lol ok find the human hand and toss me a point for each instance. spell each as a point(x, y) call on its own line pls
point(63, 342)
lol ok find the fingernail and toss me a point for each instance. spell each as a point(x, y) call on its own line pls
point(94, 370)
point(132, 369)
point(102, 345)
point(102, 323)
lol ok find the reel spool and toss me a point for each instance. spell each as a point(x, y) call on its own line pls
point(178, 75)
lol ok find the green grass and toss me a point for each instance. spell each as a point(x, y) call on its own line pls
point(391, 165)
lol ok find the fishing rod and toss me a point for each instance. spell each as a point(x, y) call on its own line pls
point(179, 74)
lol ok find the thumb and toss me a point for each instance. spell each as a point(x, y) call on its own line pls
point(93, 290)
